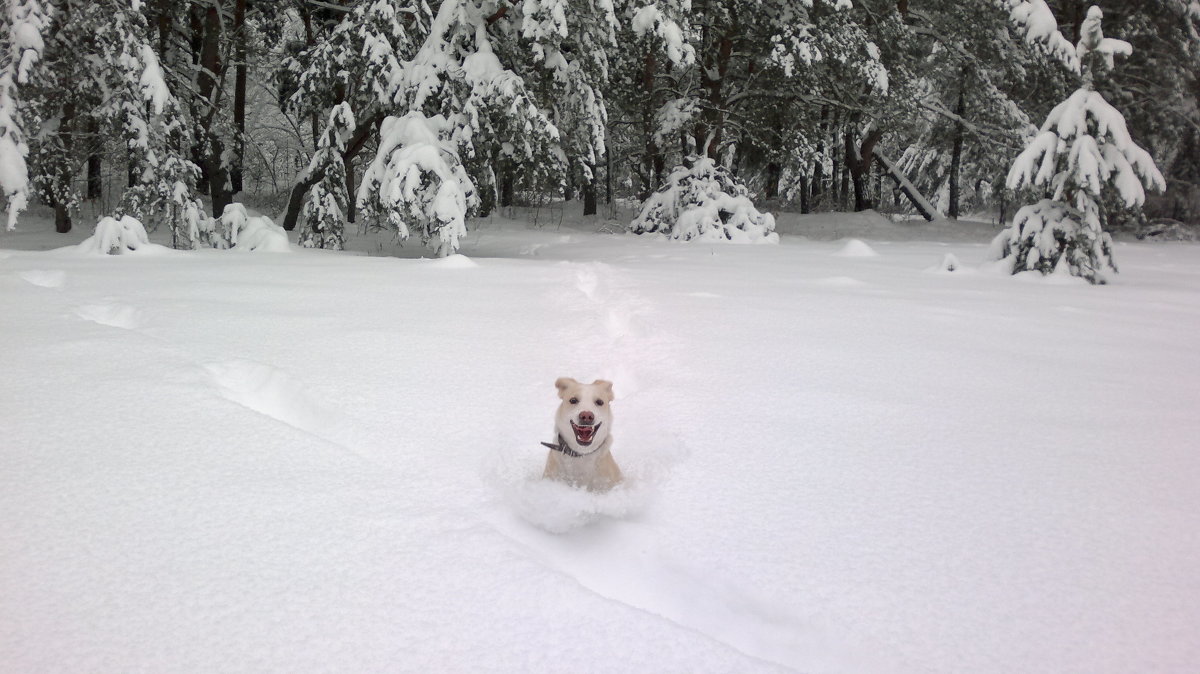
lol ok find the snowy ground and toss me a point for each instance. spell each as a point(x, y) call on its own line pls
point(841, 460)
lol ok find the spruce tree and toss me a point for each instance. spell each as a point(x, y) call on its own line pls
point(1082, 152)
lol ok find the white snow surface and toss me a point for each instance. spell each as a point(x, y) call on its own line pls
point(330, 462)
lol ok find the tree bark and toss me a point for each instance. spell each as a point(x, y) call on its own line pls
point(956, 152)
point(818, 173)
point(858, 161)
point(239, 94)
point(588, 188)
point(652, 160)
point(351, 202)
point(506, 185)
point(774, 174)
point(62, 216)
point(210, 67)
point(95, 177)
point(713, 115)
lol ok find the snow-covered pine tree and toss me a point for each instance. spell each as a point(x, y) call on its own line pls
point(155, 129)
point(701, 201)
point(1082, 151)
point(100, 78)
point(417, 185)
point(324, 215)
point(21, 46)
point(475, 107)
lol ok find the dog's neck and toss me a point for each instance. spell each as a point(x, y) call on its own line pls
point(563, 448)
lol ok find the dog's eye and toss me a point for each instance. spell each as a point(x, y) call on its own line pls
point(574, 401)
point(599, 403)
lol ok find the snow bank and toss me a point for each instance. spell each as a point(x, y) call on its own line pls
point(122, 236)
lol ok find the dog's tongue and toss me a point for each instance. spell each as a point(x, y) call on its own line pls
point(584, 433)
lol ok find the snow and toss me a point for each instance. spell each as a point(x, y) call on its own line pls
point(218, 462)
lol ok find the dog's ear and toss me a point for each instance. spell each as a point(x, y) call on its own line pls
point(605, 388)
point(564, 383)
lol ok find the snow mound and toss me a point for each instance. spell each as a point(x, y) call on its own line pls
point(840, 282)
point(119, 237)
point(253, 233)
point(112, 315)
point(45, 278)
point(455, 261)
point(268, 390)
point(856, 248)
point(559, 508)
point(949, 264)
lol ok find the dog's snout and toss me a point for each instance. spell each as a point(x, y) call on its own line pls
point(587, 418)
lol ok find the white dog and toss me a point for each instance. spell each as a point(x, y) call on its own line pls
point(580, 454)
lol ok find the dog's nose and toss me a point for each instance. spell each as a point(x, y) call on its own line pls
point(587, 418)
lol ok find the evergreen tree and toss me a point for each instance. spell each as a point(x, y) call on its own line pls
point(701, 201)
point(324, 213)
point(1082, 151)
point(21, 47)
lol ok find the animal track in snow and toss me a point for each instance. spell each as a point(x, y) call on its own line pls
point(45, 278)
point(268, 390)
point(113, 315)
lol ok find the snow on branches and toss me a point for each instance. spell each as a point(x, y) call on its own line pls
point(1041, 28)
point(417, 184)
point(22, 48)
point(1082, 151)
point(701, 201)
point(323, 217)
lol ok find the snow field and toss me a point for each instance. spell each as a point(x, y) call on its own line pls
point(315, 461)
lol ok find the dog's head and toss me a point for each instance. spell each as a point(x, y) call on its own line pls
point(584, 416)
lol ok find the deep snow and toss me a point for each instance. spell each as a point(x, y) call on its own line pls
point(838, 461)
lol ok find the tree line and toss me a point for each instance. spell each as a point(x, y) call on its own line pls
point(818, 104)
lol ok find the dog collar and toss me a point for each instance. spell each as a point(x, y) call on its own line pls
point(562, 447)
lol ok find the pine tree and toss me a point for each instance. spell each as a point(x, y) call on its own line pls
point(417, 184)
point(324, 213)
point(1082, 151)
point(21, 48)
point(701, 201)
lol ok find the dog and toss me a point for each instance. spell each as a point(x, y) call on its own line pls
point(581, 453)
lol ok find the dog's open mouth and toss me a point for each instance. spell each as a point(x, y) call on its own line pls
point(584, 434)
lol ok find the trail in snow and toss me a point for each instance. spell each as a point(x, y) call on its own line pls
point(608, 542)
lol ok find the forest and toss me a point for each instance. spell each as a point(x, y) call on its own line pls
point(417, 115)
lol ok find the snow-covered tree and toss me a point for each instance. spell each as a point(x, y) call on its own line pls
point(100, 78)
point(701, 201)
point(324, 213)
point(1082, 151)
point(417, 185)
point(116, 236)
point(21, 46)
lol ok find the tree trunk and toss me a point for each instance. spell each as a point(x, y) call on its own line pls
point(858, 161)
point(818, 173)
point(95, 179)
point(713, 115)
point(239, 94)
point(652, 159)
point(95, 176)
point(210, 67)
point(956, 152)
point(62, 216)
point(805, 207)
point(506, 185)
point(608, 190)
point(588, 188)
point(351, 202)
point(774, 174)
